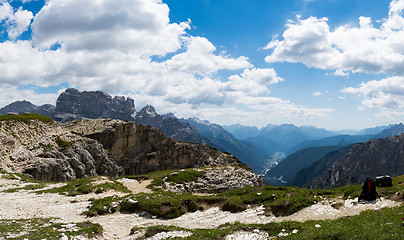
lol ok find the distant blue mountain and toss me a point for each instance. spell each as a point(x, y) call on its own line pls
point(281, 138)
point(339, 140)
point(242, 132)
point(293, 163)
point(252, 155)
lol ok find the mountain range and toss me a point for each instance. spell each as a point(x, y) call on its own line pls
point(259, 148)
point(353, 164)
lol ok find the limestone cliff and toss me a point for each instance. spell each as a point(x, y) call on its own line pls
point(141, 149)
point(81, 148)
point(48, 151)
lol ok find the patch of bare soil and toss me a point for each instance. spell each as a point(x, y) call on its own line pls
point(137, 186)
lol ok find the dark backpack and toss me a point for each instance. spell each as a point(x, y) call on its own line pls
point(368, 191)
point(384, 181)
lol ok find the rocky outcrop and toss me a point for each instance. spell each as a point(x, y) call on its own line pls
point(73, 104)
point(81, 160)
point(370, 159)
point(217, 179)
point(141, 149)
point(47, 151)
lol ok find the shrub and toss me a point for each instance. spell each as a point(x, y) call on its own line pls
point(174, 212)
point(62, 143)
point(290, 204)
point(188, 175)
point(192, 206)
point(234, 204)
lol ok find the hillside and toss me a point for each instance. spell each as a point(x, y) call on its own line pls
point(317, 168)
point(369, 159)
point(284, 171)
point(199, 190)
point(260, 150)
point(251, 154)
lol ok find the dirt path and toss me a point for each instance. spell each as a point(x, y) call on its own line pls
point(25, 204)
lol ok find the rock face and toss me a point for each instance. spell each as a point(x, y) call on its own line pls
point(73, 104)
point(47, 151)
point(370, 159)
point(141, 149)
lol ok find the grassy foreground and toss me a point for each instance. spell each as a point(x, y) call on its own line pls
point(39, 228)
point(385, 224)
point(280, 201)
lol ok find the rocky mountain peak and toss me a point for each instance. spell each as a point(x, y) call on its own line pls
point(18, 106)
point(27, 107)
point(168, 115)
point(74, 104)
point(197, 120)
point(147, 111)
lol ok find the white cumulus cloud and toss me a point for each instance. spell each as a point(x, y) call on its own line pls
point(364, 48)
point(15, 21)
point(141, 26)
point(254, 81)
point(200, 58)
point(386, 94)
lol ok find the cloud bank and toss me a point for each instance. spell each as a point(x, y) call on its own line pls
point(113, 46)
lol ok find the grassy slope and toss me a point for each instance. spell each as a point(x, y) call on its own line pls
point(299, 160)
point(39, 228)
point(26, 117)
point(385, 223)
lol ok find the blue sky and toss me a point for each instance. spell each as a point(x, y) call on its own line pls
point(334, 64)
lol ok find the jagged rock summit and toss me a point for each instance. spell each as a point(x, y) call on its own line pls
point(73, 104)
